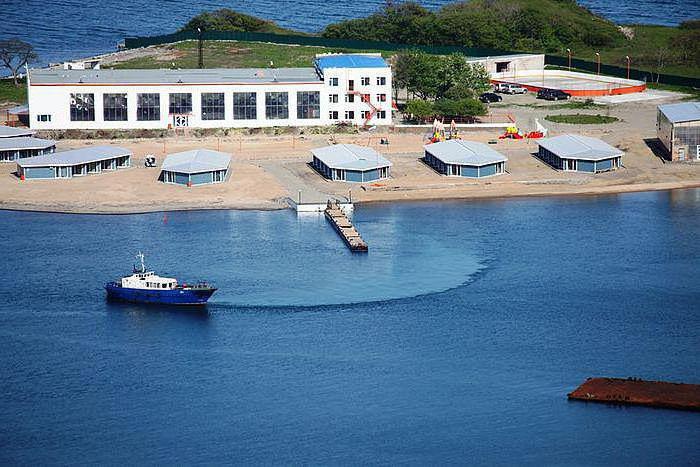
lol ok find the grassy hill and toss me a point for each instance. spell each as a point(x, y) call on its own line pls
point(229, 20)
point(532, 25)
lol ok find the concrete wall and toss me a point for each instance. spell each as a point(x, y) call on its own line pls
point(515, 63)
point(38, 172)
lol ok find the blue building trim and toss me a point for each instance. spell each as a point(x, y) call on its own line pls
point(582, 165)
point(355, 176)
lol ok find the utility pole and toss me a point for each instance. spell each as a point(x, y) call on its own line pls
point(200, 47)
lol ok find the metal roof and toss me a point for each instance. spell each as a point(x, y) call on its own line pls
point(174, 77)
point(19, 110)
point(461, 152)
point(351, 157)
point(350, 61)
point(9, 132)
point(682, 112)
point(196, 161)
point(75, 156)
point(25, 142)
point(579, 147)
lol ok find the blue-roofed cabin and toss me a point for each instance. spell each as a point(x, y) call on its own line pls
point(196, 167)
point(461, 158)
point(577, 153)
point(74, 163)
point(350, 163)
point(12, 149)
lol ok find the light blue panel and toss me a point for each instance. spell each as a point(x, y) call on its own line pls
point(201, 179)
point(586, 166)
point(603, 165)
point(370, 175)
point(487, 170)
point(353, 176)
point(469, 171)
point(181, 178)
point(39, 172)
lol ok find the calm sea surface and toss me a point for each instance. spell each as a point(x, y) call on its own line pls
point(64, 29)
point(455, 340)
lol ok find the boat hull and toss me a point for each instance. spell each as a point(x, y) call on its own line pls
point(180, 296)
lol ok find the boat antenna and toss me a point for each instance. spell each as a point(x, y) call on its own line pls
point(143, 265)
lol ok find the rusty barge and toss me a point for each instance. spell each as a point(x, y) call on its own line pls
point(336, 216)
point(633, 391)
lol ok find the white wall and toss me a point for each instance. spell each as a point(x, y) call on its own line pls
point(54, 100)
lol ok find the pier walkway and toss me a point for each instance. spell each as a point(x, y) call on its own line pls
point(336, 216)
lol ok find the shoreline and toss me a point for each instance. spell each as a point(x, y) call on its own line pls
point(279, 206)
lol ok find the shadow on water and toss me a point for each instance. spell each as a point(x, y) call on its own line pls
point(195, 313)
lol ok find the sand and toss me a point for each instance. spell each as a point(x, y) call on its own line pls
point(269, 169)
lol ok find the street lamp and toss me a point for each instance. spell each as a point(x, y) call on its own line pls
point(597, 54)
point(627, 57)
point(568, 51)
point(199, 48)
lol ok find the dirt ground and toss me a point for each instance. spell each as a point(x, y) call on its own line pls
point(268, 169)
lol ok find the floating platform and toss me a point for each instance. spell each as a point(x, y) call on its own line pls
point(340, 222)
point(632, 391)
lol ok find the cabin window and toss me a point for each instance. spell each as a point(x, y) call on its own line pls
point(308, 104)
point(115, 108)
point(277, 105)
point(180, 103)
point(244, 106)
point(147, 107)
point(82, 107)
point(213, 107)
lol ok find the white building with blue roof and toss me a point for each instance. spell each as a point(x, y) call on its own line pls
point(352, 88)
point(351, 163)
point(678, 129)
point(457, 157)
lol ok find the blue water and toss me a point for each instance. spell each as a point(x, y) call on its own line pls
point(455, 340)
point(64, 29)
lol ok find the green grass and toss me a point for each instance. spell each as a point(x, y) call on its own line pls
point(643, 51)
point(581, 119)
point(230, 54)
point(11, 93)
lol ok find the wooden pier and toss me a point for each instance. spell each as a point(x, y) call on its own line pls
point(634, 391)
point(336, 216)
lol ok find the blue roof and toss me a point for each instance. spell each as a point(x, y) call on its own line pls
point(350, 61)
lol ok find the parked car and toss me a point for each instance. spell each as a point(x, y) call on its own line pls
point(507, 88)
point(553, 94)
point(489, 97)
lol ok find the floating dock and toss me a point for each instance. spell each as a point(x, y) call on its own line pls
point(632, 391)
point(336, 216)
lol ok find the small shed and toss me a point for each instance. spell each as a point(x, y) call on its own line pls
point(462, 158)
point(12, 149)
point(351, 163)
point(74, 163)
point(11, 132)
point(577, 153)
point(678, 129)
point(196, 167)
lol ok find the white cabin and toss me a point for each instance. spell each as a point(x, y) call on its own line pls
point(148, 280)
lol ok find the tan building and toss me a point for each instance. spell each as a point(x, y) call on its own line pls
point(678, 128)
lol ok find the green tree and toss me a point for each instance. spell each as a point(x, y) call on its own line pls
point(420, 108)
point(14, 54)
point(467, 107)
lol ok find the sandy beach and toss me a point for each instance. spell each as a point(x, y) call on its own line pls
point(267, 170)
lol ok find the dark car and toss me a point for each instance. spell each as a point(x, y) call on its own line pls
point(552, 94)
point(489, 97)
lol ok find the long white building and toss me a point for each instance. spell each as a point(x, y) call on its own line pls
point(353, 88)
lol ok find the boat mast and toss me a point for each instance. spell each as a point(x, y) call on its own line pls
point(143, 265)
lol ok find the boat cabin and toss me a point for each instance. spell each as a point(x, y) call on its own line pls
point(148, 280)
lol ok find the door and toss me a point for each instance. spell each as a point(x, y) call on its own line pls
point(181, 121)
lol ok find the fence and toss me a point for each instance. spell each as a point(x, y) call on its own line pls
point(317, 41)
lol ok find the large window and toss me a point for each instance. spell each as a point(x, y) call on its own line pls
point(213, 106)
point(82, 107)
point(308, 104)
point(245, 106)
point(147, 107)
point(276, 105)
point(180, 103)
point(114, 107)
